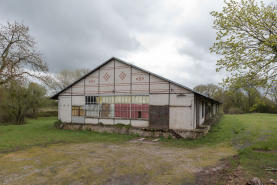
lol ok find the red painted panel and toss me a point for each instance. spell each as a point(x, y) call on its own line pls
point(123, 111)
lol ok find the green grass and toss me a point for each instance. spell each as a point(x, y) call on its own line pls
point(41, 131)
point(254, 135)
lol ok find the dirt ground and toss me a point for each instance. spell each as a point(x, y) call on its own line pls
point(107, 163)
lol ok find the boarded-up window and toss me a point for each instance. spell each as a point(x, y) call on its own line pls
point(78, 111)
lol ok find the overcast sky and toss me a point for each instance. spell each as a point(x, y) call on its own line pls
point(168, 37)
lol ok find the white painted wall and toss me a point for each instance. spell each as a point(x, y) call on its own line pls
point(91, 121)
point(107, 121)
point(139, 123)
point(106, 85)
point(122, 78)
point(158, 85)
point(78, 88)
point(78, 100)
point(91, 83)
point(158, 99)
point(186, 100)
point(64, 109)
point(123, 121)
point(181, 111)
point(66, 92)
point(177, 89)
point(140, 82)
point(180, 118)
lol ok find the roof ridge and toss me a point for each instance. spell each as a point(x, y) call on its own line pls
point(114, 58)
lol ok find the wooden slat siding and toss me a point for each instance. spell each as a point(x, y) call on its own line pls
point(139, 74)
point(122, 67)
point(107, 68)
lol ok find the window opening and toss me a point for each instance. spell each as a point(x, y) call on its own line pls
point(78, 111)
point(121, 106)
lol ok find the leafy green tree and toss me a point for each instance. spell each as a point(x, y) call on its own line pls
point(247, 42)
point(273, 93)
point(17, 101)
point(213, 90)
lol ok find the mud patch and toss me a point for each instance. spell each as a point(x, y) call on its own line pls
point(225, 172)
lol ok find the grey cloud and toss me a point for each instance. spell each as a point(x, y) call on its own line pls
point(73, 34)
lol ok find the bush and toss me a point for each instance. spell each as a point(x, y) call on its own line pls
point(235, 110)
point(47, 114)
point(5, 118)
point(58, 123)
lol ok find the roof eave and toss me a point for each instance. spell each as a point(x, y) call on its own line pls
point(55, 97)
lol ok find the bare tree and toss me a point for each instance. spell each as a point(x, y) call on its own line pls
point(19, 58)
point(64, 78)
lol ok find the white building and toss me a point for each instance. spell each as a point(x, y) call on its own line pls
point(119, 92)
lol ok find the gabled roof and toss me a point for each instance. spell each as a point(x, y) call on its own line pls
point(55, 97)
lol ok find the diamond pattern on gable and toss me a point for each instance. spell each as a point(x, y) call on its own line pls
point(106, 76)
point(139, 78)
point(122, 75)
point(91, 81)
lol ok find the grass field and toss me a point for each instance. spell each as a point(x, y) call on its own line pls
point(253, 135)
point(41, 131)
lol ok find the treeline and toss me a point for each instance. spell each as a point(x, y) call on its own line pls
point(22, 99)
point(20, 66)
point(239, 100)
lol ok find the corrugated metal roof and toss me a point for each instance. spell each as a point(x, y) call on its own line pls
point(114, 58)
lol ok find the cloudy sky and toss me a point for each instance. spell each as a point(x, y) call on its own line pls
point(168, 37)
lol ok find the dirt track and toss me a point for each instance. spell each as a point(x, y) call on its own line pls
point(107, 163)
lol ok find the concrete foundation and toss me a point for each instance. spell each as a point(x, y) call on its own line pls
point(139, 131)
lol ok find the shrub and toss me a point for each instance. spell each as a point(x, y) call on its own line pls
point(58, 123)
point(47, 114)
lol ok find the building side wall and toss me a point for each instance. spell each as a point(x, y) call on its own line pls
point(158, 99)
point(117, 78)
point(106, 78)
point(66, 92)
point(122, 78)
point(79, 88)
point(181, 111)
point(91, 120)
point(140, 82)
point(158, 85)
point(177, 89)
point(122, 121)
point(78, 100)
point(64, 109)
point(91, 83)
